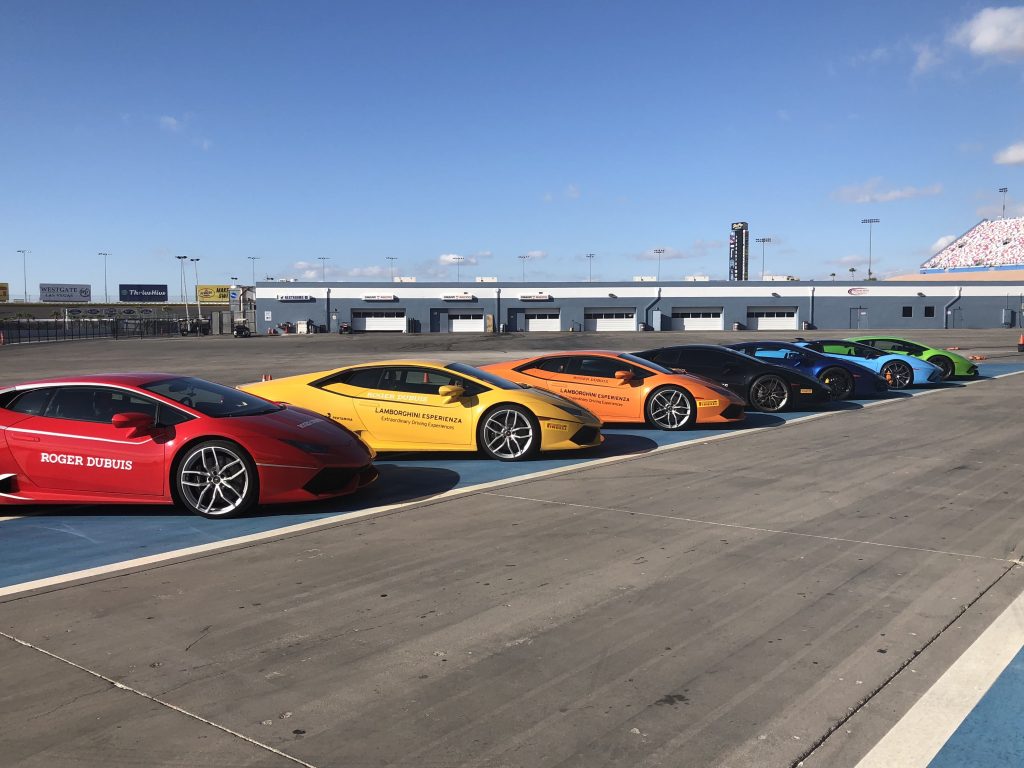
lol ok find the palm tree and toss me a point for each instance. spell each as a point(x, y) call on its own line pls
point(853, 271)
point(833, 276)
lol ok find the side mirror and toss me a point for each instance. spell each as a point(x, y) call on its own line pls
point(132, 420)
point(624, 376)
point(451, 392)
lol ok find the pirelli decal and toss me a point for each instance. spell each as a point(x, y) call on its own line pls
point(707, 403)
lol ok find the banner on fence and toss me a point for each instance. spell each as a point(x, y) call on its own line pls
point(138, 293)
point(5, 294)
point(220, 294)
point(64, 292)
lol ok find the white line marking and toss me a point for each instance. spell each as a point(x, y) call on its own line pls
point(327, 522)
point(753, 528)
point(921, 733)
point(161, 702)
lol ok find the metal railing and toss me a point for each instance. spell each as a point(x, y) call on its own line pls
point(27, 331)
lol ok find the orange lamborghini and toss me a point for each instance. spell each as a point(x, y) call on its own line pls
point(620, 387)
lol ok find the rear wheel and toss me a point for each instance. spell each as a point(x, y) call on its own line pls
point(839, 381)
point(216, 478)
point(670, 408)
point(769, 393)
point(509, 433)
point(944, 363)
point(898, 374)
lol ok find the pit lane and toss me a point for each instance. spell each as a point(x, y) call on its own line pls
point(609, 538)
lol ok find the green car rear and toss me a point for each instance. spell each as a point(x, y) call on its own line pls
point(953, 366)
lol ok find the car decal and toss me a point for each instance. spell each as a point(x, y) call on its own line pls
point(707, 403)
point(63, 434)
point(74, 460)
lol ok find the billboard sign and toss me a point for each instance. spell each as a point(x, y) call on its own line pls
point(218, 294)
point(5, 294)
point(64, 292)
point(138, 293)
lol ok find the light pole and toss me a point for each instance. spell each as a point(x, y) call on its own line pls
point(199, 305)
point(458, 267)
point(659, 251)
point(391, 266)
point(24, 271)
point(184, 298)
point(590, 267)
point(1004, 190)
point(323, 262)
point(762, 241)
point(870, 223)
point(253, 259)
point(524, 258)
point(853, 271)
point(833, 276)
point(104, 254)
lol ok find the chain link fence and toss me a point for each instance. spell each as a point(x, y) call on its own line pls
point(25, 331)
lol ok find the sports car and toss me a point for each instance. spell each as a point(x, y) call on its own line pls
point(952, 364)
point(158, 438)
point(899, 371)
point(621, 387)
point(765, 387)
point(845, 378)
point(417, 405)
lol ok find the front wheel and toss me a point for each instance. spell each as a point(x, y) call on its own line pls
point(898, 374)
point(671, 409)
point(769, 393)
point(216, 478)
point(839, 382)
point(944, 363)
point(509, 433)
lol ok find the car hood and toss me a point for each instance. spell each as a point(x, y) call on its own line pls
point(552, 398)
point(298, 424)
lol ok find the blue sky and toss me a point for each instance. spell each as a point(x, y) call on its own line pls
point(491, 130)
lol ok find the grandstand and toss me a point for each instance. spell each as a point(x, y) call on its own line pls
point(990, 246)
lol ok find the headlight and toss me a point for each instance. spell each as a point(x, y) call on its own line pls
point(308, 447)
point(572, 410)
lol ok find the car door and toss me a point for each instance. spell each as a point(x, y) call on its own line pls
point(70, 444)
point(404, 406)
point(727, 369)
point(590, 380)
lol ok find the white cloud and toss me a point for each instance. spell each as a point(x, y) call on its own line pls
point(172, 124)
point(873, 56)
point(670, 254)
point(926, 58)
point(849, 261)
point(993, 32)
point(533, 255)
point(454, 258)
point(572, 191)
point(869, 192)
point(941, 243)
point(203, 144)
point(1012, 155)
point(307, 270)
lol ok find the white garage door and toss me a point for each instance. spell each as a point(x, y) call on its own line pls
point(548, 320)
point(378, 320)
point(466, 322)
point(771, 318)
point(609, 319)
point(697, 319)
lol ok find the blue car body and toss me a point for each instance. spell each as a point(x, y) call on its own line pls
point(875, 359)
point(865, 382)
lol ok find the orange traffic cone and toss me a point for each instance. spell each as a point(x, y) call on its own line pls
point(267, 377)
point(1020, 343)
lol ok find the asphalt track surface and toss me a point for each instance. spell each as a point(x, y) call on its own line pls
point(747, 597)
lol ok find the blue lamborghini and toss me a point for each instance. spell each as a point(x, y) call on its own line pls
point(847, 379)
point(899, 371)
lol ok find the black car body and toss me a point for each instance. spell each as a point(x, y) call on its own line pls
point(764, 386)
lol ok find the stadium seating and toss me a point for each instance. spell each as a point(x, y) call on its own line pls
point(996, 243)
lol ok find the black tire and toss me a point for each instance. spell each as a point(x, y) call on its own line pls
point(898, 374)
point(508, 432)
point(670, 409)
point(769, 393)
point(215, 479)
point(839, 381)
point(945, 364)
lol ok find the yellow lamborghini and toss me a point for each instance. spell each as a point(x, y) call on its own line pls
point(415, 405)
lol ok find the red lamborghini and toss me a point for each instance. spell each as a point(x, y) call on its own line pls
point(157, 438)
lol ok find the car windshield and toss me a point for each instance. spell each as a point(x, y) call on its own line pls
point(484, 376)
point(211, 399)
point(645, 363)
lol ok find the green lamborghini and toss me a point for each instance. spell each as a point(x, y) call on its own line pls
point(952, 364)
